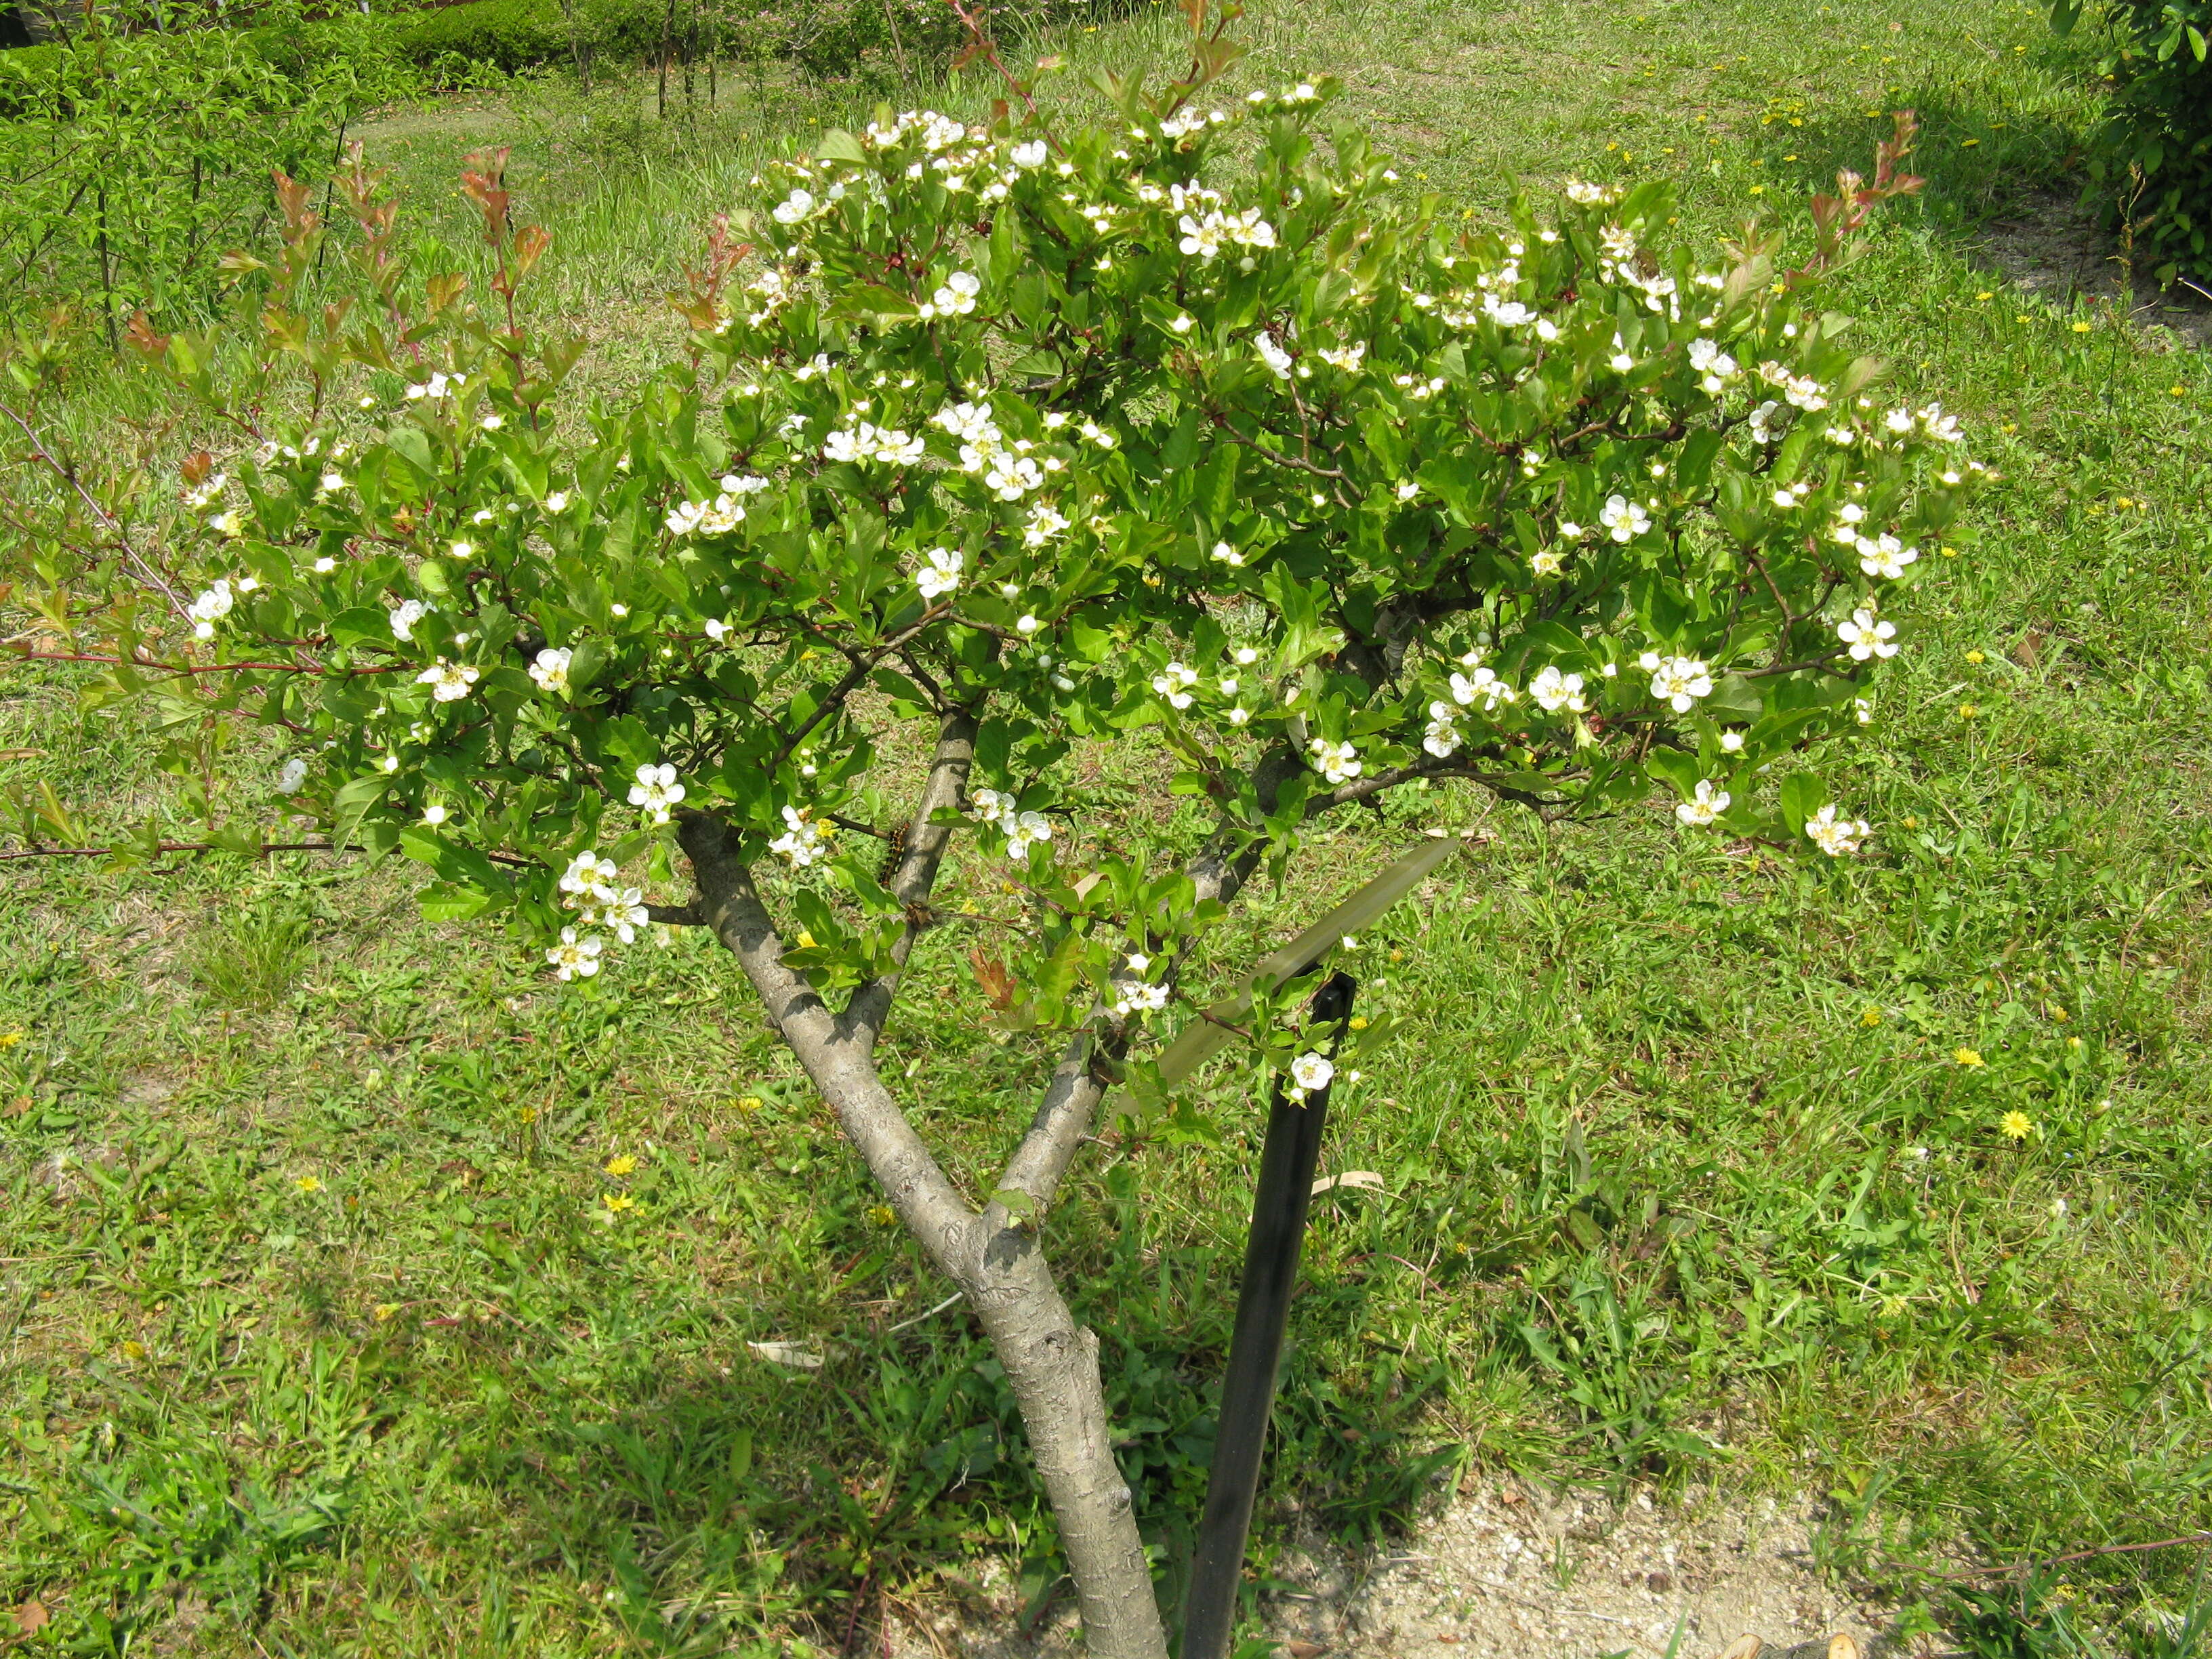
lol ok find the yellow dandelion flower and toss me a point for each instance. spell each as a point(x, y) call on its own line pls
point(134, 1350)
point(1360, 1022)
point(621, 1166)
point(308, 1184)
point(1976, 656)
point(1870, 1016)
point(1969, 1058)
point(385, 1310)
point(2015, 1126)
point(882, 1215)
point(749, 1102)
point(9, 1040)
point(616, 1203)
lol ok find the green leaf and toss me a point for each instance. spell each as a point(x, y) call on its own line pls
point(1803, 795)
point(443, 902)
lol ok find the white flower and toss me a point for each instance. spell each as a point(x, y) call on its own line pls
point(1027, 830)
point(1045, 523)
point(1731, 743)
point(1347, 358)
point(1862, 711)
point(656, 791)
point(1173, 682)
point(1506, 313)
point(990, 806)
point(1836, 836)
point(1225, 554)
point(1140, 1000)
point(550, 671)
point(1337, 761)
point(1867, 637)
point(325, 565)
point(1886, 556)
point(1027, 626)
point(1678, 681)
point(956, 298)
point(802, 840)
point(1626, 520)
point(557, 501)
point(291, 776)
point(1484, 683)
point(435, 814)
point(1442, 739)
point(1702, 808)
point(574, 957)
point(1763, 429)
point(1029, 156)
point(449, 681)
point(1272, 355)
point(1805, 393)
point(1944, 429)
point(1011, 477)
point(404, 616)
point(1310, 1072)
point(1553, 691)
point(589, 875)
point(941, 574)
point(210, 607)
point(793, 208)
point(1245, 656)
point(625, 914)
point(1184, 322)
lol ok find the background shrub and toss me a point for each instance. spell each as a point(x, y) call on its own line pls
point(2151, 157)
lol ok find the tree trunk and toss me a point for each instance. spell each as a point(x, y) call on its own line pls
point(1053, 1364)
point(1051, 1361)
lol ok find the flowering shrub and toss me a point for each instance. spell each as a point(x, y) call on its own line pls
point(994, 445)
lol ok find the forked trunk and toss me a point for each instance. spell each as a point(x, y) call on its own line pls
point(1051, 1361)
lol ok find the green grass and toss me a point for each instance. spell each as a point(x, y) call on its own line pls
point(317, 1335)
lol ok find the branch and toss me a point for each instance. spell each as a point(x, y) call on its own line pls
point(1280, 459)
point(837, 1062)
point(262, 850)
point(863, 666)
point(187, 668)
point(912, 882)
point(145, 572)
point(1063, 1119)
point(676, 915)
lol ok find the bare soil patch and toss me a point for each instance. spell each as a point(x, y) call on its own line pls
point(1504, 1573)
point(2057, 252)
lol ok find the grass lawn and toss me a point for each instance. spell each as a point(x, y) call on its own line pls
point(318, 1337)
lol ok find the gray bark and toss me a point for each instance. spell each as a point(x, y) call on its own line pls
point(1051, 1363)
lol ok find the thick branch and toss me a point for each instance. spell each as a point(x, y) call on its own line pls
point(912, 882)
point(837, 1061)
point(1063, 1119)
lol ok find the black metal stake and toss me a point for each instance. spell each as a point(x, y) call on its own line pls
point(1256, 1350)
